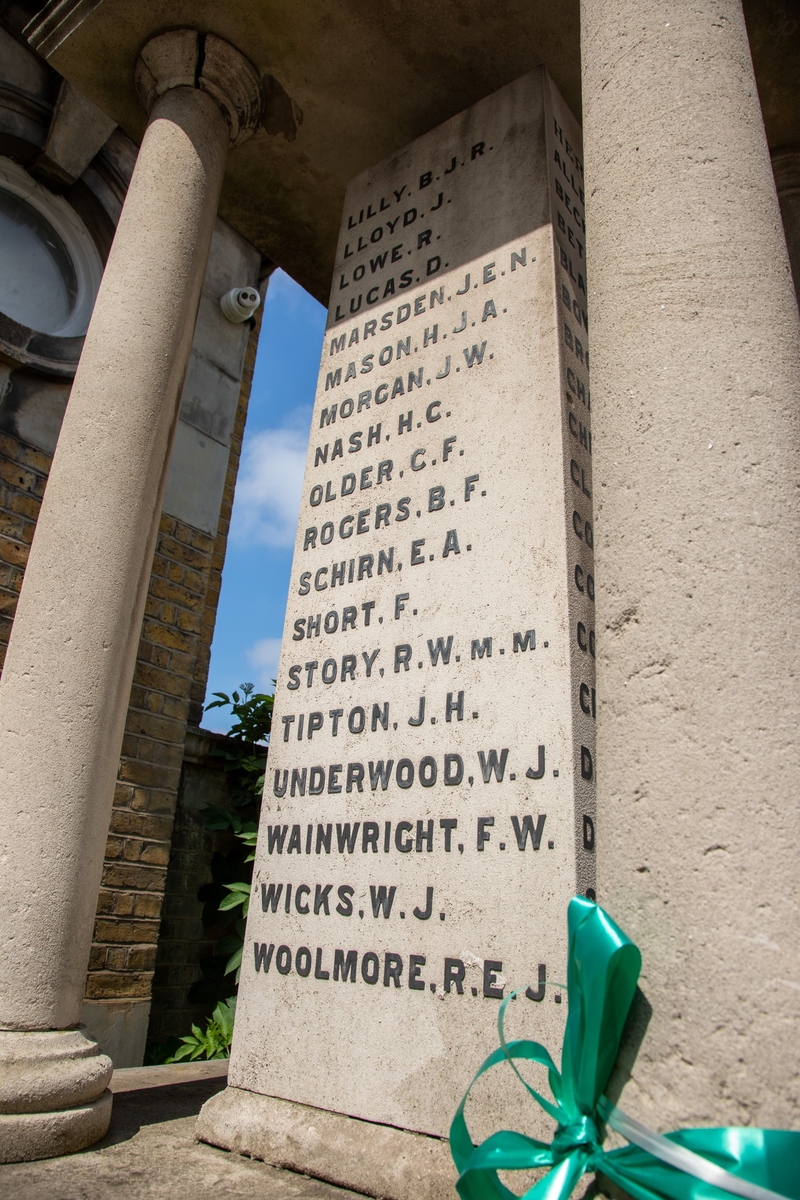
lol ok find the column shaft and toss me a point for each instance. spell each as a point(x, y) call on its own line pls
point(696, 426)
point(67, 677)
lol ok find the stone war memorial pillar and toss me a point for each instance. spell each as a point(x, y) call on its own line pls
point(67, 676)
point(429, 811)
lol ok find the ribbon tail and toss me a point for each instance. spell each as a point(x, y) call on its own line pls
point(645, 1177)
point(559, 1183)
point(639, 1180)
point(688, 1162)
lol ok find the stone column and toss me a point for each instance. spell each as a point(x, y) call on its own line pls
point(696, 425)
point(786, 169)
point(67, 677)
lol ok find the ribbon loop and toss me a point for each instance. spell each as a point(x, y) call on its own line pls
point(690, 1164)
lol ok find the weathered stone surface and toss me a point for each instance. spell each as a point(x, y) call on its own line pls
point(197, 477)
point(150, 1152)
point(695, 395)
point(120, 1026)
point(376, 1160)
point(25, 1136)
point(134, 1079)
point(50, 1070)
point(428, 810)
point(78, 130)
point(54, 1096)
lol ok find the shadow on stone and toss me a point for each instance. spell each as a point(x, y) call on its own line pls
point(153, 1105)
point(632, 1037)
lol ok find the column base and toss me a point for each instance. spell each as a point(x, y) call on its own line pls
point(376, 1160)
point(54, 1097)
point(26, 1137)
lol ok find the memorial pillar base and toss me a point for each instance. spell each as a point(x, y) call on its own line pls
point(54, 1096)
point(376, 1160)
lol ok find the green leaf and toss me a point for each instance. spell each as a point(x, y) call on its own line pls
point(234, 961)
point(232, 901)
point(229, 943)
point(215, 1042)
point(181, 1053)
point(224, 1015)
point(217, 817)
point(239, 886)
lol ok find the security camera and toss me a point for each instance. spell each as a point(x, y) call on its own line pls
point(239, 304)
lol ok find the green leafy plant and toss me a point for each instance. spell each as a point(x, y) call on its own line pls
point(253, 713)
point(214, 1041)
point(226, 896)
point(245, 758)
point(238, 894)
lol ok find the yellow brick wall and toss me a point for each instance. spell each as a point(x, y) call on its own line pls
point(137, 853)
point(23, 475)
point(168, 690)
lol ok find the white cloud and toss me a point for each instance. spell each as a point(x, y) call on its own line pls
point(270, 484)
point(263, 657)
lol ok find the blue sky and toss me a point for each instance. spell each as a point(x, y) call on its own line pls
point(255, 580)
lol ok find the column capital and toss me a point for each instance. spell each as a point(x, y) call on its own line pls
point(186, 58)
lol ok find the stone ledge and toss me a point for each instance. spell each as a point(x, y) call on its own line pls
point(377, 1160)
point(134, 1079)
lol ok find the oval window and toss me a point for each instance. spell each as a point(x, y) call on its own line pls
point(50, 268)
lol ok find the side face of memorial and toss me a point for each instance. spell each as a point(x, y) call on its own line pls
point(429, 802)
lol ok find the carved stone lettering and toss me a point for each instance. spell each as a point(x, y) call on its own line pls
point(428, 809)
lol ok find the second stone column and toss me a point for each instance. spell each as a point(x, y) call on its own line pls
point(696, 416)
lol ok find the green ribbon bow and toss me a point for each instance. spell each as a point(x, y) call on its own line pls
point(690, 1164)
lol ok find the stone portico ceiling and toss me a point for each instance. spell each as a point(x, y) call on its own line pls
point(348, 82)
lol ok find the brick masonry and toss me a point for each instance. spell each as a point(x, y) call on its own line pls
point(23, 475)
point(138, 848)
point(167, 695)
